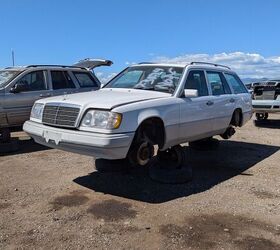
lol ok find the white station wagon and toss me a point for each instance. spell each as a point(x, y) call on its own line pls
point(144, 105)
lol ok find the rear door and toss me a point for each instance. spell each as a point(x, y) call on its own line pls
point(18, 105)
point(223, 101)
point(241, 95)
point(62, 83)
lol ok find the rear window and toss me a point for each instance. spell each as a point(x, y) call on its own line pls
point(85, 79)
point(235, 83)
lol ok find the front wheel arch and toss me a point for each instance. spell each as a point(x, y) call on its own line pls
point(149, 133)
point(152, 128)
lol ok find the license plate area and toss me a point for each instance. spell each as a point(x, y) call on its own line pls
point(52, 137)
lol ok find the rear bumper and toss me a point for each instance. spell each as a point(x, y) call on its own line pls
point(266, 106)
point(107, 146)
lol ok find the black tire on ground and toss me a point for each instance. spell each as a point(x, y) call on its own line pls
point(106, 166)
point(261, 116)
point(169, 170)
point(5, 135)
point(205, 144)
point(230, 131)
point(171, 158)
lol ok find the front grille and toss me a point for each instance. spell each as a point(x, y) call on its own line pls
point(262, 106)
point(62, 116)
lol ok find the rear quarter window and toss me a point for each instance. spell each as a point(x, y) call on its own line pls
point(85, 79)
point(236, 84)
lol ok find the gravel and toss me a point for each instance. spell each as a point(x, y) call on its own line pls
point(50, 199)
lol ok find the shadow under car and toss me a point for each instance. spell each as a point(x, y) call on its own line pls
point(268, 123)
point(210, 168)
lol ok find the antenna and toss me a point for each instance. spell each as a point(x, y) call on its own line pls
point(13, 57)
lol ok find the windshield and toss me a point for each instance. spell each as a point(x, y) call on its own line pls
point(6, 76)
point(157, 78)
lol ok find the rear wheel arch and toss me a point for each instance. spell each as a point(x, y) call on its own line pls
point(237, 118)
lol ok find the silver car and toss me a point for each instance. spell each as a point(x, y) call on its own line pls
point(20, 87)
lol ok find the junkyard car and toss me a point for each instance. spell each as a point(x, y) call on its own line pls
point(144, 105)
point(266, 99)
point(20, 87)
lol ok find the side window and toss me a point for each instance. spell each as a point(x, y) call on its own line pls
point(62, 80)
point(85, 79)
point(33, 81)
point(218, 83)
point(236, 84)
point(196, 80)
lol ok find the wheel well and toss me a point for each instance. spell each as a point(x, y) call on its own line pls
point(237, 118)
point(153, 129)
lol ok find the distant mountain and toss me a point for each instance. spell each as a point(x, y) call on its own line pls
point(250, 80)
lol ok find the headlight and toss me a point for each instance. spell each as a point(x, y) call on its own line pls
point(101, 119)
point(37, 111)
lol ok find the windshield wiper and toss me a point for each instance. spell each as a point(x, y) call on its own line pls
point(145, 88)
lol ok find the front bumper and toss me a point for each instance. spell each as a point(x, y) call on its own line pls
point(107, 146)
point(266, 106)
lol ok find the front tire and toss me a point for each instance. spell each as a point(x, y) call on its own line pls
point(140, 153)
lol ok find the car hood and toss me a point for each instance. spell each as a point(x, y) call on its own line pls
point(106, 98)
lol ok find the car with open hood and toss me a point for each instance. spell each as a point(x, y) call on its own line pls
point(144, 105)
point(20, 87)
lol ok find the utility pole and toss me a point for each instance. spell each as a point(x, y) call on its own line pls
point(13, 57)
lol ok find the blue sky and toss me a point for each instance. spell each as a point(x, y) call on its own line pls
point(55, 32)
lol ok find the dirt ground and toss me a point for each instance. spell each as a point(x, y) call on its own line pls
point(50, 199)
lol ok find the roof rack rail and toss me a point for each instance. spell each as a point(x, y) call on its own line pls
point(146, 63)
point(49, 65)
point(214, 64)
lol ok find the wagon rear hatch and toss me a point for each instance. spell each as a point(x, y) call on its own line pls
point(92, 63)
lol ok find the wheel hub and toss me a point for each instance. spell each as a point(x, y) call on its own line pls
point(145, 153)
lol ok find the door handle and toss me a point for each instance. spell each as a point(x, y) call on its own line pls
point(209, 103)
point(45, 95)
point(232, 100)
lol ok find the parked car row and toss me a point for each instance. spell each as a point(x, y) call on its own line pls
point(144, 105)
point(20, 87)
point(266, 98)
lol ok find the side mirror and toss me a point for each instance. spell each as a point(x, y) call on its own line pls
point(19, 87)
point(190, 93)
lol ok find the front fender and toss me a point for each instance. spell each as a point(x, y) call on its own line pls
point(146, 114)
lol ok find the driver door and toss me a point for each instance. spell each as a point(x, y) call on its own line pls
point(20, 98)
